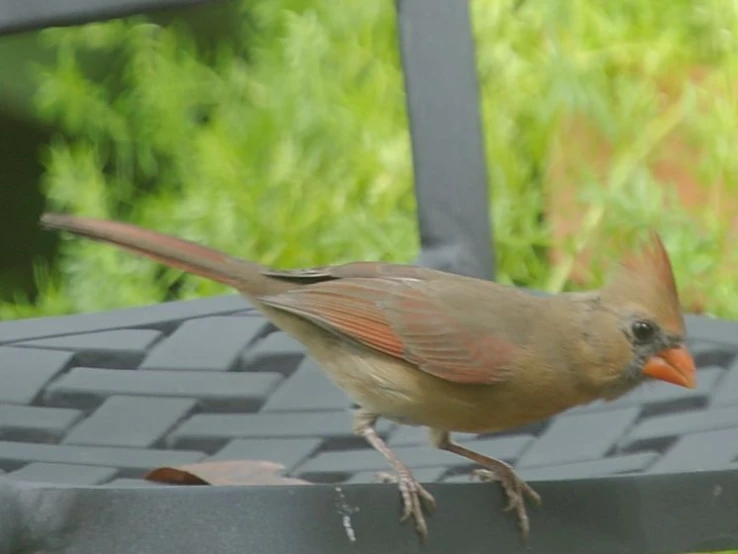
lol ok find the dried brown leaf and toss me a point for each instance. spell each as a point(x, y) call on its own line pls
point(223, 473)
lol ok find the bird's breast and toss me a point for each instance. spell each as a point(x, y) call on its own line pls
point(402, 392)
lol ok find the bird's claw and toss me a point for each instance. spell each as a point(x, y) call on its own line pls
point(515, 489)
point(414, 499)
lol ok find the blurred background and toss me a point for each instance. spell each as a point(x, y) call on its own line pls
point(276, 130)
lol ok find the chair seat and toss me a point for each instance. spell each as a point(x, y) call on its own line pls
point(129, 390)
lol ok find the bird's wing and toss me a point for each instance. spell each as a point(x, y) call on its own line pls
point(401, 317)
point(356, 270)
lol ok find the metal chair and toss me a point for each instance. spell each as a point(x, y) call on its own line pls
point(611, 480)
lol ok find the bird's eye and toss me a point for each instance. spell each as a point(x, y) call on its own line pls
point(643, 330)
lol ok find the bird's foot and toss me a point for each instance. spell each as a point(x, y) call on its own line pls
point(414, 499)
point(515, 489)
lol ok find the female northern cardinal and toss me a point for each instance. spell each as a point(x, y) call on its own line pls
point(453, 353)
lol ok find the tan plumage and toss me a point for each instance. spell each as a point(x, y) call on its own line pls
point(452, 353)
point(646, 279)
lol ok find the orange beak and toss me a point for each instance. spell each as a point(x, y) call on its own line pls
point(673, 365)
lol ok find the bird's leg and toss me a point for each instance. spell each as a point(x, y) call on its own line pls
point(414, 495)
point(495, 470)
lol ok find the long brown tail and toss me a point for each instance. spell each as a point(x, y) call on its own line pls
point(166, 249)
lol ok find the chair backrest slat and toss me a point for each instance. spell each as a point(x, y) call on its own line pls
point(18, 16)
point(442, 87)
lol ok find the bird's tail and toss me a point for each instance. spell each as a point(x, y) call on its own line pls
point(166, 249)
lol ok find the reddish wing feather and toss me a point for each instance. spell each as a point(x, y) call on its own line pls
point(350, 310)
point(441, 345)
point(395, 317)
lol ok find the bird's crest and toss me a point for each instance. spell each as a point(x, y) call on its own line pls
point(646, 277)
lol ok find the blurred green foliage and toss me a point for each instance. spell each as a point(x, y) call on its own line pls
point(287, 142)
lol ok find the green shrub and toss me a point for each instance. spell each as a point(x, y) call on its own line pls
point(289, 143)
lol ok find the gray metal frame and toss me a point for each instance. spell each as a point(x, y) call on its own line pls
point(448, 152)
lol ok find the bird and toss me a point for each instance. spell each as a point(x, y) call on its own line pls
point(452, 353)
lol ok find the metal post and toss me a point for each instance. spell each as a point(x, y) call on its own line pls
point(443, 106)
